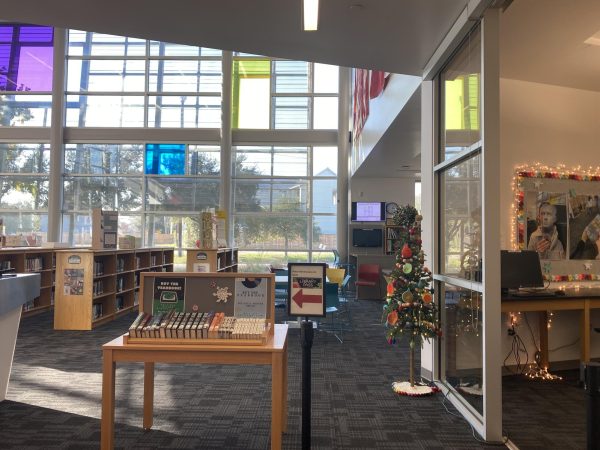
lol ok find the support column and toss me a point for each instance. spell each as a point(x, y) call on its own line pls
point(55, 190)
point(226, 143)
point(343, 174)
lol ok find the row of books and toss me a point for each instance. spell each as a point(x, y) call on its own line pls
point(33, 264)
point(210, 325)
point(98, 268)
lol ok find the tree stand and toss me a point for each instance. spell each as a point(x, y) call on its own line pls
point(409, 388)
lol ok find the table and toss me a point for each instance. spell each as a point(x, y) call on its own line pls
point(274, 353)
point(582, 300)
point(14, 292)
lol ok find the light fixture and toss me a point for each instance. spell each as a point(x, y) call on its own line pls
point(310, 10)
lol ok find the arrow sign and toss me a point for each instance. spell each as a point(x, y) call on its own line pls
point(300, 298)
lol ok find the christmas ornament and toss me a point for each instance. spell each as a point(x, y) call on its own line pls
point(407, 296)
point(392, 318)
point(407, 268)
point(406, 251)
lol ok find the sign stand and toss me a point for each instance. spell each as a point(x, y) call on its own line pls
point(306, 298)
point(306, 335)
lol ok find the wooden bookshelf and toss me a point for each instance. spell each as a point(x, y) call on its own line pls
point(96, 286)
point(33, 260)
point(212, 260)
point(392, 239)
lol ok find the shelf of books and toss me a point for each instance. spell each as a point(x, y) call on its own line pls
point(212, 260)
point(96, 286)
point(392, 239)
point(204, 309)
point(32, 260)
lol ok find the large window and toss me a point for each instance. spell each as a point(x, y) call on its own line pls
point(459, 262)
point(280, 94)
point(144, 135)
point(24, 189)
point(25, 75)
point(143, 83)
point(284, 200)
point(112, 176)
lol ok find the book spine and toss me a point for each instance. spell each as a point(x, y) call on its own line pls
point(135, 323)
point(188, 325)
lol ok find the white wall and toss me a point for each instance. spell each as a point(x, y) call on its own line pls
point(551, 125)
point(400, 190)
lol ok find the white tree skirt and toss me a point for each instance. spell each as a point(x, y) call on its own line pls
point(404, 388)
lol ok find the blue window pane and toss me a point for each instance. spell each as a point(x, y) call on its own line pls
point(165, 159)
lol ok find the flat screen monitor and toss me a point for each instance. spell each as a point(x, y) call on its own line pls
point(368, 212)
point(363, 237)
point(520, 270)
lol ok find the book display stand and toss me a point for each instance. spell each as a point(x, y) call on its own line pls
point(237, 294)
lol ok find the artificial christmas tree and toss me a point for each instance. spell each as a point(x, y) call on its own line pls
point(410, 311)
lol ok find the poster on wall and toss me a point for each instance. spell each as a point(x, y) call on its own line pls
point(306, 289)
point(584, 226)
point(546, 214)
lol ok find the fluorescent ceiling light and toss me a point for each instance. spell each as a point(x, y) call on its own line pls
point(311, 14)
point(593, 39)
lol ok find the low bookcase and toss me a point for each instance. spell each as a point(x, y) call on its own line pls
point(212, 260)
point(96, 286)
point(33, 260)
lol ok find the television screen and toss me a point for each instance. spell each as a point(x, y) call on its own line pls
point(368, 211)
point(520, 270)
point(362, 237)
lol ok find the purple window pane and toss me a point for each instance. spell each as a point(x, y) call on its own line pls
point(4, 59)
point(6, 34)
point(35, 69)
point(36, 34)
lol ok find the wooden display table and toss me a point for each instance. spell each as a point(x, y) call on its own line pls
point(274, 353)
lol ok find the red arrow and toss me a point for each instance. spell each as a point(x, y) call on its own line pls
point(300, 298)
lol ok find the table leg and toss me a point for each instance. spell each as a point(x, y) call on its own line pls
point(148, 394)
point(585, 333)
point(276, 400)
point(107, 432)
point(544, 338)
point(284, 392)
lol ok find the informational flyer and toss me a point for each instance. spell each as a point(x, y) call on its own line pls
point(73, 282)
point(168, 294)
point(251, 297)
point(307, 289)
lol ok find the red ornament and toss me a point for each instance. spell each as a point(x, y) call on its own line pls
point(392, 318)
point(406, 251)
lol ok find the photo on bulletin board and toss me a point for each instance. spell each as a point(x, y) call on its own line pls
point(306, 289)
point(584, 226)
point(546, 214)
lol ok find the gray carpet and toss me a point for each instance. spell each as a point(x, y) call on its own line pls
point(55, 392)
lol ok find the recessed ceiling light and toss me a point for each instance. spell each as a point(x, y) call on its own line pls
point(310, 12)
point(594, 39)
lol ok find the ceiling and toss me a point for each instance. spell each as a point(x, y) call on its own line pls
point(540, 40)
point(391, 35)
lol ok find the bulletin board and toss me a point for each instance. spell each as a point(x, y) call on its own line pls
point(557, 214)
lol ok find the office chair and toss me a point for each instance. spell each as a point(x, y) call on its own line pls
point(369, 275)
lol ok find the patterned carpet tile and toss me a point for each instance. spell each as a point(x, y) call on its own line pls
point(54, 398)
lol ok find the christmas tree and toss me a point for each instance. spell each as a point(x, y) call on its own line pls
point(410, 312)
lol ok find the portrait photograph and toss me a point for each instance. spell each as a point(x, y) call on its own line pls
point(547, 223)
point(584, 226)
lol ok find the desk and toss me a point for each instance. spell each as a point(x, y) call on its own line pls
point(14, 292)
point(274, 353)
point(583, 300)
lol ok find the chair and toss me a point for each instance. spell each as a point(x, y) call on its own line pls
point(332, 305)
point(369, 276)
point(335, 275)
point(281, 292)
